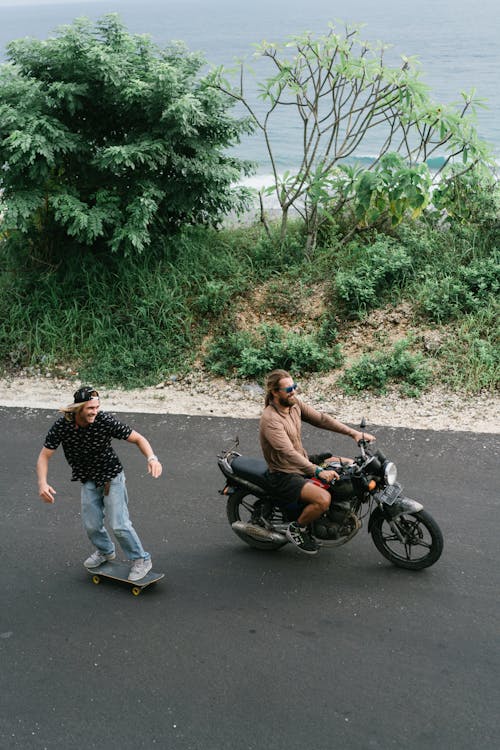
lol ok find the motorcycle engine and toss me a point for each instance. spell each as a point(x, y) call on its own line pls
point(326, 529)
point(338, 525)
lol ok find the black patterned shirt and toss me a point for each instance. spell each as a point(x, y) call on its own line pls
point(88, 449)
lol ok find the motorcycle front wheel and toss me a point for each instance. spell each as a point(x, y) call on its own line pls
point(243, 506)
point(413, 540)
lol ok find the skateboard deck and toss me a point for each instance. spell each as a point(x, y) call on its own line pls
point(119, 571)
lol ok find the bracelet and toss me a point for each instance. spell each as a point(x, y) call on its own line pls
point(317, 472)
point(152, 458)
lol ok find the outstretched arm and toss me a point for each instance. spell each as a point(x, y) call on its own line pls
point(45, 491)
point(154, 466)
point(326, 422)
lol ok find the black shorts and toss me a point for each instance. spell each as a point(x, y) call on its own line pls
point(286, 487)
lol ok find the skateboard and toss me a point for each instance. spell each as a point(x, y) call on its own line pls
point(118, 571)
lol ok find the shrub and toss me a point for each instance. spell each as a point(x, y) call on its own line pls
point(380, 270)
point(252, 354)
point(470, 288)
point(470, 197)
point(374, 373)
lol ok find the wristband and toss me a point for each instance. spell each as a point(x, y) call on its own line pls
point(152, 458)
point(317, 472)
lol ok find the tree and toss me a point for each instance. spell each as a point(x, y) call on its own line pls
point(340, 91)
point(108, 142)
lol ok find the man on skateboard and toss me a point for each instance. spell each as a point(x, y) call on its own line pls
point(85, 434)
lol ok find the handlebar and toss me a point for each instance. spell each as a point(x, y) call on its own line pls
point(362, 445)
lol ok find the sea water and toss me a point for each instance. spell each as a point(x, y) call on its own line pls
point(457, 43)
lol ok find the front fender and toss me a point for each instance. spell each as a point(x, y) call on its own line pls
point(402, 505)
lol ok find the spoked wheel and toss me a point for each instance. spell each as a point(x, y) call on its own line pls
point(245, 507)
point(412, 540)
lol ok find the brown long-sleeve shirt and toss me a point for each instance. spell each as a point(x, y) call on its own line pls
point(280, 436)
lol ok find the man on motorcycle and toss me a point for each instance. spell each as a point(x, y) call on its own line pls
point(289, 466)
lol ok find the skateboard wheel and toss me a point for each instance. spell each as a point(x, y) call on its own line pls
point(96, 579)
point(136, 590)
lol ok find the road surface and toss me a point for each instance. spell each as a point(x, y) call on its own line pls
point(238, 649)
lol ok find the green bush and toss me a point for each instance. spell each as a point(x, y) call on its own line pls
point(470, 197)
point(378, 272)
point(251, 354)
point(376, 372)
point(466, 289)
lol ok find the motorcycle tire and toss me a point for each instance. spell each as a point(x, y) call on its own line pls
point(239, 508)
point(423, 540)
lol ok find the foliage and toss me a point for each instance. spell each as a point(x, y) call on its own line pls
point(108, 142)
point(123, 322)
point(470, 358)
point(471, 197)
point(464, 289)
point(340, 91)
point(251, 354)
point(377, 272)
point(136, 321)
point(377, 371)
point(389, 192)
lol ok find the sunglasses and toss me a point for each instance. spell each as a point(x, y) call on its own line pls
point(290, 389)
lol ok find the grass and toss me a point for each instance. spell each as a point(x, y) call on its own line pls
point(241, 303)
point(470, 359)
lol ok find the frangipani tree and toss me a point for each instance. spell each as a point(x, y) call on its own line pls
point(341, 93)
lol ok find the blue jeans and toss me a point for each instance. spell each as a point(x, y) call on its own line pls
point(96, 505)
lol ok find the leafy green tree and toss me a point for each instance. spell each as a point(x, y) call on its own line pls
point(108, 142)
point(339, 91)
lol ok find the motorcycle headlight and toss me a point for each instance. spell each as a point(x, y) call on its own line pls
point(390, 473)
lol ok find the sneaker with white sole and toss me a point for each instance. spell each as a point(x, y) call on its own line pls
point(98, 558)
point(139, 569)
point(302, 538)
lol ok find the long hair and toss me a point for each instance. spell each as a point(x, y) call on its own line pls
point(71, 411)
point(273, 383)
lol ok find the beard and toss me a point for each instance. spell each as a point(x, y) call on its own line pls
point(287, 401)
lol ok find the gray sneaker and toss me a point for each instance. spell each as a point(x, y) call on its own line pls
point(139, 569)
point(98, 558)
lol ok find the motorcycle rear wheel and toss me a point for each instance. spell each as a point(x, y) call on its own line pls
point(240, 507)
point(422, 539)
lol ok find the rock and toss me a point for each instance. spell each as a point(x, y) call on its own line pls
point(253, 389)
point(432, 341)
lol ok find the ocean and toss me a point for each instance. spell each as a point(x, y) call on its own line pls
point(457, 43)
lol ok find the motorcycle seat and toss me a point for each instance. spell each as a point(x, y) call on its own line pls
point(251, 469)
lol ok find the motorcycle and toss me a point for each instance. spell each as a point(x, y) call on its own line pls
point(402, 531)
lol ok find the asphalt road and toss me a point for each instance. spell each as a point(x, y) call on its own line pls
point(238, 649)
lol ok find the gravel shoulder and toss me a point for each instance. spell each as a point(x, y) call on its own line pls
point(198, 395)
